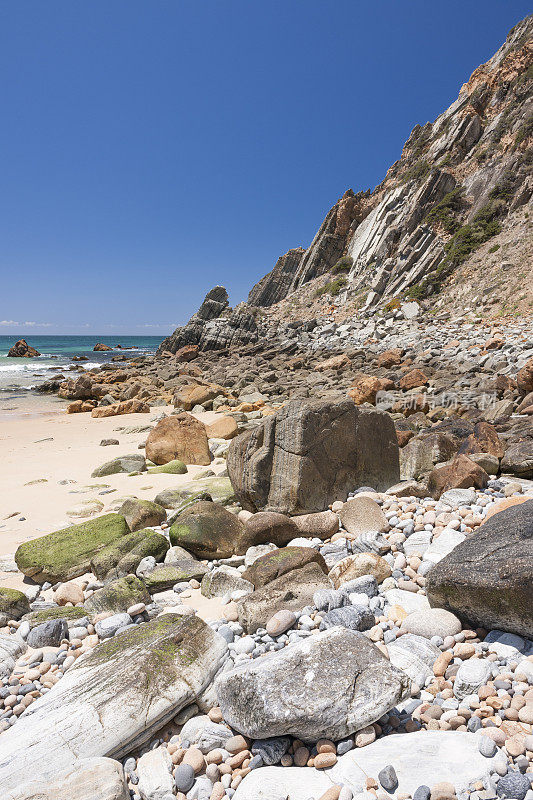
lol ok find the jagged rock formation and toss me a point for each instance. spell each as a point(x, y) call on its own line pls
point(277, 284)
point(460, 185)
point(456, 185)
point(215, 325)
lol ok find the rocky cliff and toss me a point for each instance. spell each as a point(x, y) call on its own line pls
point(449, 218)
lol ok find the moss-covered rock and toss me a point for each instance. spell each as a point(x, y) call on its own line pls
point(219, 490)
point(124, 556)
point(165, 576)
point(71, 614)
point(208, 530)
point(142, 513)
point(131, 463)
point(13, 603)
point(118, 595)
point(175, 467)
point(66, 554)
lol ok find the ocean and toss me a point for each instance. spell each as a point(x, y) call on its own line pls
point(18, 376)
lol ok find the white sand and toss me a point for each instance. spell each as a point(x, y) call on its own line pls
point(66, 447)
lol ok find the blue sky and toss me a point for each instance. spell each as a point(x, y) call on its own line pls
point(151, 150)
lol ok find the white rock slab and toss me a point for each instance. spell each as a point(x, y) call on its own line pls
point(275, 783)
point(11, 647)
point(424, 757)
point(409, 601)
point(414, 655)
point(446, 542)
point(113, 699)
point(97, 778)
point(155, 780)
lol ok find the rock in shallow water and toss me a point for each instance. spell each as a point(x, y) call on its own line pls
point(303, 691)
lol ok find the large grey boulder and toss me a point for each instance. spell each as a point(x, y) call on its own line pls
point(327, 686)
point(129, 463)
point(311, 453)
point(487, 580)
point(94, 778)
point(114, 698)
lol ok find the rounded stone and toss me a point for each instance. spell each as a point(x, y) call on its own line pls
point(487, 747)
point(194, 758)
point(432, 622)
point(184, 777)
point(280, 622)
point(514, 785)
point(325, 760)
point(68, 592)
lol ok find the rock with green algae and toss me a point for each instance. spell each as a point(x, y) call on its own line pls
point(115, 698)
point(142, 513)
point(118, 595)
point(219, 490)
point(208, 530)
point(13, 603)
point(124, 556)
point(71, 615)
point(67, 554)
point(165, 576)
point(175, 467)
point(131, 463)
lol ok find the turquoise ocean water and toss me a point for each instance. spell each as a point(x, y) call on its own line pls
point(18, 376)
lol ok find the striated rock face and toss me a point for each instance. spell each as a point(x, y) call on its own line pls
point(310, 454)
point(277, 284)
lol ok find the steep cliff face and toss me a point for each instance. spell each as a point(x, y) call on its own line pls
point(449, 217)
point(456, 185)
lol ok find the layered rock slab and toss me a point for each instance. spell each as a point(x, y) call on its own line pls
point(311, 453)
point(94, 778)
point(488, 579)
point(325, 687)
point(112, 700)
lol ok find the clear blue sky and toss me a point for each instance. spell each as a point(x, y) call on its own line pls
point(151, 150)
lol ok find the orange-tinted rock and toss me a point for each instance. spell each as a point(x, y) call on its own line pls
point(335, 362)
point(404, 437)
point(461, 473)
point(413, 379)
point(22, 349)
point(390, 358)
point(364, 390)
point(187, 353)
point(524, 379)
point(501, 505)
point(124, 407)
point(99, 347)
point(179, 436)
point(484, 439)
point(222, 428)
point(195, 394)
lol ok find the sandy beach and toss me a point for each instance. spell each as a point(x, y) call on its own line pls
point(47, 461)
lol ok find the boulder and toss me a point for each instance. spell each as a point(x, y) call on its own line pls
point(291, 591)
point(461, 473)
point(22, 349)
point(483, 439)
point(165, 576)
point(94, 778)
point(13, 603)
point(364, 390)
point(175, 467)
point(118, 595)
point(219, 490)
point(101, 348)
point(362, 514)
point(524, 378)
point(114, 699)
point(11, 647)
point(487, 580)
point(278, 562)
point(305, 692)
point(141, 514)
point(187, 353)
point(269, 526)
point(223, 580)
point(195, 394)
point(273, 783)
point(420, 455)
point(518, 459)
point(322, 525)
point(180, 436)
point(208, 530)
point(359, 564)
point(311, 453)
point(132, 463)
point(432, 622)
point(123, 556)
point(133, 406)
point(222, 428)
point(48, 634)
point(413, 379)
point(66, 554)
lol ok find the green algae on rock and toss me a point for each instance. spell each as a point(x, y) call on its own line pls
point(124, 556)
point(165, 576)
point(175, 467)
point(118, 595)
point(67, 554)
point(13, 603)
